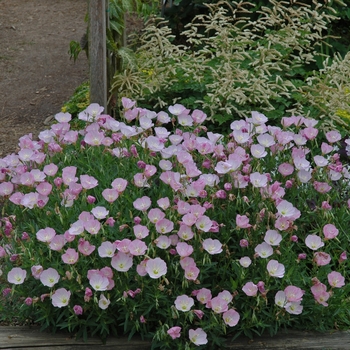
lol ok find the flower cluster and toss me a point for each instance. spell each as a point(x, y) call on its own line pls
point(175, 231)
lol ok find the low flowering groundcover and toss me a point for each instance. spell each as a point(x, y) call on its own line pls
point(156, 226)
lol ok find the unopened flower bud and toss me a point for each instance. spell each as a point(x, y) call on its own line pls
point(243, 243)
point(91, 199)
point(28, 301)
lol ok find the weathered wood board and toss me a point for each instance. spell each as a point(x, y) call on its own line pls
point(30, 338)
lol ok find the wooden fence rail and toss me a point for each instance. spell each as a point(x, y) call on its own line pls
point(30, 338)
point(98, 52)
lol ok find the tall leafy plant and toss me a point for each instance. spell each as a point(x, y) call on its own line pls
point(231, 63)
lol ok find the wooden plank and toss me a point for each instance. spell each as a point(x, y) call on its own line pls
point(30, 338)
point(98, 52)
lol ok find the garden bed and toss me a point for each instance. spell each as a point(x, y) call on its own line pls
point(31, 338)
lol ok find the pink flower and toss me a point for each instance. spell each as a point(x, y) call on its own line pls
point(92, 226)
point(88, 182)
point(140, 231)
point(243, 243)
point(242, 221)
point(218, 305)
point(163, 242)
point(191, 272)
point(293, 294)
point(326, 206)
point(204, 223)
point(122, 261)
point(189, 219)
point(310, 133)
point(212, 246)
point(258, 180)
point(336, 280)
point(76, 228)
point(70, 257)
point(110, 194)
point(85, 247)
point(245, 261)
point(68, 175)
point(321, 298)
point(184, 249)
point(155, 215)
point(46, 235)
point(94, 138)
point(164, 226)
point(78, 310)
point(203, 295)
point(198, 336)
point(258, 151)
point(198, 116)
point(127, 103)
point(99, 282)
point(231, 317)
point(322, 187)
point(185, 232)
point(304, 176)
point(50, 169)
point(333, 136)
point(16, 198)
point(154, 143)
point(177, 109)
point(110, 222)
point(142, 203)
point(44, 188)
point(36, 271)
point(60, 297)
point(150, 170)
point(294, 308)
point(100, 213)
point(16, 275)
point(330, 231)
point(184, 303)
point(163, 203)
point(183, 207)
point(186, 262)
point(314, 242)
point(320, 161)
point(184, 120)
point(141, 268)
point(106, 249)
point(264, 250)
point(6, 188)
point(287, 210)
point(343, 257)
point(103, 302)
point(272, 237)
point(156, 267)
point(123, 245)
point(326, 148)
point(137, 247)
point(322, 258)
point(49, 277)
point(119, 184)
point(280, 298)
point(174, 332)
point(275, 269)
point(250, 289)
point(318, 289)
point(282, 223)
point(28, 301)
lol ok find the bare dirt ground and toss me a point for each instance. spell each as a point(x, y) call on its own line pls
point(37, 75)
